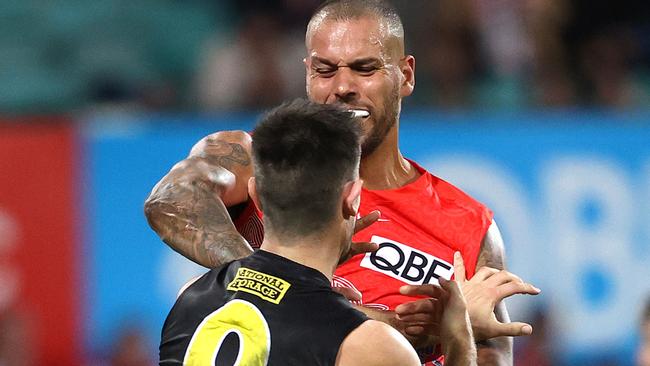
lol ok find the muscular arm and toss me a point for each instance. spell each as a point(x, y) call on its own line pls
point(495, 351)
point(187, 208)
point(374, 343)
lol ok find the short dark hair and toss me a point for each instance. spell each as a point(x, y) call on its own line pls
point(645, 315)
point(349, 9)
point(303, 153)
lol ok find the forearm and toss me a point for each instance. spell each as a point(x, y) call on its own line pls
point(496, 351)
point(187, 207)
point(460, 351)
point(189, 218)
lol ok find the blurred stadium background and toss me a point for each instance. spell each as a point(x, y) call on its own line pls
point(539, 108)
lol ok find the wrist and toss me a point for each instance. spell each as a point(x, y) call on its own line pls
point(459, 350)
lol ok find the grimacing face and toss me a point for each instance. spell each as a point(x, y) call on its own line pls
point(358, 64)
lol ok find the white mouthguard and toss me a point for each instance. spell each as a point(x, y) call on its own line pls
point(359, 113)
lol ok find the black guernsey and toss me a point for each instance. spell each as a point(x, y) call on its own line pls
point(261, 310)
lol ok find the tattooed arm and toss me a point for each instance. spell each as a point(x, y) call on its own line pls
point(187, 208)
point(495, 351)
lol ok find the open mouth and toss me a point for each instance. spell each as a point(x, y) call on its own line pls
point(359, 113)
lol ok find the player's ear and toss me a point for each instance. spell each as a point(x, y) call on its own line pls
point(407, 67)
point(252, 192)
point(351, 195)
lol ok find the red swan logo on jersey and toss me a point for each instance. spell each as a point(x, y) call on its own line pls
point(406, 264)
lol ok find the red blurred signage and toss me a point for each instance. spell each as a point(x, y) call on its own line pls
point(40, 292)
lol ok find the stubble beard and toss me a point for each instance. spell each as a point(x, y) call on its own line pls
point(383, 125)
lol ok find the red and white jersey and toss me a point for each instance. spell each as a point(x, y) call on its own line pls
point(422, 224)
point(250, 225)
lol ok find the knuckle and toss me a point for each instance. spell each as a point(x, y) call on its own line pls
point(231, 136)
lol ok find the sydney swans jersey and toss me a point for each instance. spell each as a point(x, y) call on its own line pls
point(260, 310)
point(422, 224)
point(249, 223)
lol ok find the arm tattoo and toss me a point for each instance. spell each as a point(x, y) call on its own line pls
point(492, 251)
point(226, 154)
point(495, 351)
point(186, 210)
point(197, 225)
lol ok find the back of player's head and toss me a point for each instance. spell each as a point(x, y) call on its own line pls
point(645, 315)
point(342, 10)
point(304, 153)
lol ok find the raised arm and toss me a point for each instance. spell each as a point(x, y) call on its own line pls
point(187, 208)
point(495, 350)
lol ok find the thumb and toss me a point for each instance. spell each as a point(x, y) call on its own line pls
point(513, 329)
point(459, 267)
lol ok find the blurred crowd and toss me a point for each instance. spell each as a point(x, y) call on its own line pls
point(531, 53)
point(230, 55)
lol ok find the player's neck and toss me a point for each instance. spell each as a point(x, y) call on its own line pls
point(386, 168)
point(320, 252)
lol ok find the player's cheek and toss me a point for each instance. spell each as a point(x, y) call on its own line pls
point(377, 91)
point(317, 90)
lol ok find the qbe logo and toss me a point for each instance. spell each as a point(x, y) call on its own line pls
point(405, 263)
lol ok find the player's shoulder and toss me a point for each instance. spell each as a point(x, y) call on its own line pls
point(187, 285)
point(376, 343)
point(231, 139)
point(450, 191)
point(206, 289)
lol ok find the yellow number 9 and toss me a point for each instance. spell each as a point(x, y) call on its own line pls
point(239, 317)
